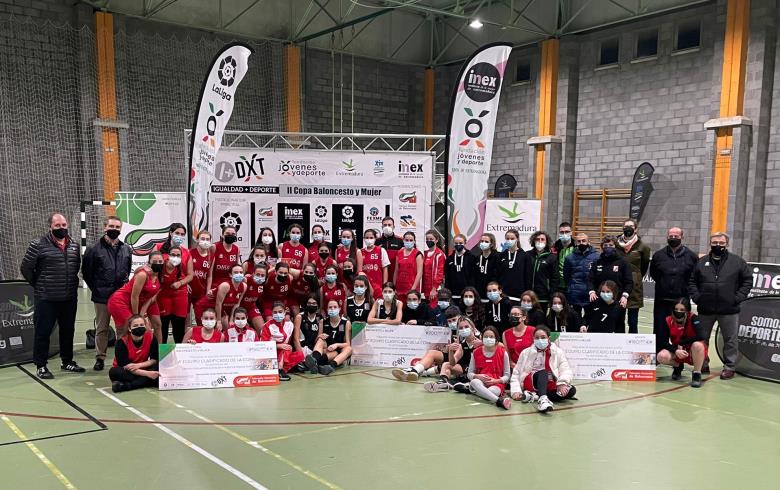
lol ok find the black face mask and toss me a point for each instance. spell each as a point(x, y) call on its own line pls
point(717, 250)
point(324, 255)
point(628, 232)
point(311, 308)
point(459, 247)
point(138, 331)
point(281, 278)
point(582, 247)
point(679, 314)
point(674, 242)
point(229, 239)
point(60, 233)
point(609, 252)
point(310, 277)
point(514, 321)
point(112, 234)
point(349, 273)
point(156, 267)
point(430, 243)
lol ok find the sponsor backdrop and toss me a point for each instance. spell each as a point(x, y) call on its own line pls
point(470, 138)
point(524, 215)
point(226, 365)
point(766, 281)
point(609, 356)
point(17, 330)
point(146, 217)
point(254, 188)
point(383, 345)
point(759, 338)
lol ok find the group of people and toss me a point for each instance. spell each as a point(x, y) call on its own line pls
point(305, 293)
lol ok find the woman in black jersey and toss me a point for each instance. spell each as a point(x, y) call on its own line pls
point(605, 315)
point(308, 326)
point(389, 309)
point(497, 308)
point(453, 371)
point(534, 311)
point(513, 267)
point(416, 311)
point(562, 318)
point(359, 304)
point(334, 349)
point(471, 306)
point(459, 267)
point(486, 266)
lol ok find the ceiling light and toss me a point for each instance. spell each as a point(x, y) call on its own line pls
point(475, 24)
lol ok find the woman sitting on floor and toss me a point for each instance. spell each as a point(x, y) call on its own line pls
point(136, 356)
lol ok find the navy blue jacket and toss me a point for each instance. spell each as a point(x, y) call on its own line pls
point(576, 269)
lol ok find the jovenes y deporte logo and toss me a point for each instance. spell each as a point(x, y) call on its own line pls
point(300, 168)
point(482, 82)
point(511, 216)
point(473, 128)
point(211, 125)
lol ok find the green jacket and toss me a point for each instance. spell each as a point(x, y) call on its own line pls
point(639, 260)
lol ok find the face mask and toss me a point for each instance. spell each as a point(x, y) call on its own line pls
point(178, 240)
point(459, 247)
point(444, 304)
point(112, 234)
point(514, 321)
point(240, 323)
point(557, 308)
point(565, 237)
point(156, 267)
point(204, 244)
point(278, 317)
point(174, 261)
point(413, 306)
point(138, 331)
point(388, 296)
point(540, 246)
point(330, 278)
point(310, 277)
point(679, 314)
point(510, 243)
point(281, 278)
point(468, 301)
point(464, 332)
point(527, 306)
point(267, 240)
point(453, 325)
point(582, 247)
point(489, 341)
point(259, 279)
point(493, 295)
point(259, 260)
point(606, 296)
point(333, 313)
point(311, 308)
point(609, 252)
point(238, 277)
point(60, 233)
point(230, 239)
point(359, 290)
point(541, 344)
point(294, 237)
point(717, 250)
point(430, 243)
point(209, 324)
point(387, 230)
point(628, 232)
point(408, 245)
point(346, 242)
point(484, 245)
point(317, 237)
point(674, 242)
point(369, 242)
point(348, 273)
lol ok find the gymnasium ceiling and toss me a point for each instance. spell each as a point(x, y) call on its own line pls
point(424, 32)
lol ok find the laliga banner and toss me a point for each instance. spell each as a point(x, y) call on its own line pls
point(214, 110)
point(259, 188)
point(470, 139)
point(523, 215)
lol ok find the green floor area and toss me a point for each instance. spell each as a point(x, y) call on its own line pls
point(360, 428)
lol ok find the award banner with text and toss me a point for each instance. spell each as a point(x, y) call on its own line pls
point(227, 365)
point(383, 345)
point(610, 356)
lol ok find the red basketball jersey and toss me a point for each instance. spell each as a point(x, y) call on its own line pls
point(293, 255)
point(490, 366)
point(223, 262)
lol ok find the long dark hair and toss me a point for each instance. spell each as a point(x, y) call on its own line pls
point(352, 246)
point(166, 246)
point(394, 308)
point(270, 249)
point(563, 316)
point(477, 309)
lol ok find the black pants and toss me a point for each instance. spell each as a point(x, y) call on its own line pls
point(178, 328)
point(661, 309)
point(47, 314)
point(541, 379)
point(132, 380)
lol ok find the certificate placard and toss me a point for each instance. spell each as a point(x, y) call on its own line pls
point(610, 356)
point(383, 345)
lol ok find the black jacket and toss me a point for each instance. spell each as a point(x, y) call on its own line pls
point(542, 274)
point(719, 286)
point(603, 318)
point(671, 272)
point(613, 268)
point(52, 271)
point(455, 280)
point(497, 314)
point(422, 315)
point(486, 272)
point(106, 269)
point(572, 324)
point(514, 280)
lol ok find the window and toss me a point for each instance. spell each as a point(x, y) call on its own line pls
point(647, 44)
point(688, 35)
point(523, 72)
point(609, 52)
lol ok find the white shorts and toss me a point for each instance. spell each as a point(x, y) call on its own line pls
point(306, 351)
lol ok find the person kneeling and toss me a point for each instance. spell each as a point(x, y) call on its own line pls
point(280, 331)
point(333, 347)
point(136, 356)
point(681, 341)
point(542, 373)
point(489, 370)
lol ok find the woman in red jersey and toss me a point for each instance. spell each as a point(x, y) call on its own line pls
point(519, 336)
point(267, 240)
point(226, 255)
point(317, 240)
point(322, 259)
point(332, 290)
point(408, 267)
point(206, 332)
point(347, 249)
point(433, 267)
point(489, 370)
point(375, 262)
point(280, 330)
point(293, 251)
point(135, 358)
point(255, 284)
point(225, 297)
point(138, 296)
point(173, 300)
point(202, 257)
point(277, 288)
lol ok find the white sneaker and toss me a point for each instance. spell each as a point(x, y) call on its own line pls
point(436, 386)
point(545, 405)
point(529, 397)
point(407, 374)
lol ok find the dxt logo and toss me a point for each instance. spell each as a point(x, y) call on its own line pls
point(248, 167)
point(473, 128)
point(211, 125)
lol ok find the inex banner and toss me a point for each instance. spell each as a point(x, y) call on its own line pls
point(759, 338)
point(470, 139)
point(214, 110)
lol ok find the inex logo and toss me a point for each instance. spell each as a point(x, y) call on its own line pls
point(473, 128)
point(227, 71)
point(230, 219)
point(482, 82)
point(293, 213)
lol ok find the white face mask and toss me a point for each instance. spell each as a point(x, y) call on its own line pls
point(388, 296)
point(317, 237)
point(175, 261)
point(369, 242)
point(209, 324)
point(489, 341)
point(387, 230)
point(540, 246)
point(267, 240)
point(557, 308)
point(240, 323)
point(468, 301)
point(204, 244)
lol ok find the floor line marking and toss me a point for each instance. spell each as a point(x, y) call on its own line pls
point(249, 481)
point(39, 454)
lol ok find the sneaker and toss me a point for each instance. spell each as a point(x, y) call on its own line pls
point(726, 374)
point(529, 397)
point(284, 376)
point(99, 365)
point(461, 387)
point(44, 373)
point(300, 368)
point(504, 402)
point(696, 380)
point(545, 405)
point(72, 367)
point(311, 364)
point(436, 386)
point(326, 369)
point(677, 372)
point(118, 387)
point(407, 374)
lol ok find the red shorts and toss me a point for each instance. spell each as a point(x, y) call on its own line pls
point(173, 303)
point(289, 359)
point(528, 384)
point(689, 360)
point(121, 312)
point(252, 312)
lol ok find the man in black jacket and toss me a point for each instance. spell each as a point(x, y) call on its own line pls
point(719, 283)
point(106, 268)
point(51, 266)
point(671, 269)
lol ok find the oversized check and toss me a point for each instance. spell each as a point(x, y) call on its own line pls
point(610, 356)
point(225, 365)
point(383, 345)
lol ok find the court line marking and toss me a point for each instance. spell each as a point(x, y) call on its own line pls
point(255, 444)
point(46, 438)
point(39, 454)
point(249, 481)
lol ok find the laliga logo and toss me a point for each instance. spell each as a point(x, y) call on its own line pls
point(473, 128)
point(211, 125)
